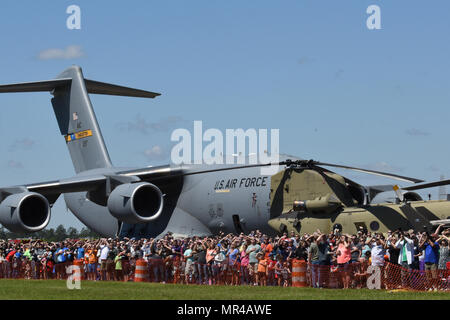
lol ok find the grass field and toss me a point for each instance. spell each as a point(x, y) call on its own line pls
point(57, 290)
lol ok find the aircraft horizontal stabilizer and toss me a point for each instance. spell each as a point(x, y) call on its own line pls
point(97, 87)
point(92, 86)
point(38, 86)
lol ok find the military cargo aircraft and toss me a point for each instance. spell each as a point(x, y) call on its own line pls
point(193, 199)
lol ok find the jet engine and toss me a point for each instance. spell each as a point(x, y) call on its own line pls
point(133, 203)
point(25, 212)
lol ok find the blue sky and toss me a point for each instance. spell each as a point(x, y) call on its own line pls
point(337, 91)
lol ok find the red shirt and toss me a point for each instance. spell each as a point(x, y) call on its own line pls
point(10, 255)
point(345, 255)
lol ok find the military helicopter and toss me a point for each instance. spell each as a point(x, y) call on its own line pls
point(306, 197)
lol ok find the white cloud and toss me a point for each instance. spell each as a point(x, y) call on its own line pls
point(70, 52)
point(156, 152)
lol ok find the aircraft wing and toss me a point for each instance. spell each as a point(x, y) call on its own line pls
point(53, 189)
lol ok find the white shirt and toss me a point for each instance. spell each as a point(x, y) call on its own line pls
point(104, 252)
point(409, 250)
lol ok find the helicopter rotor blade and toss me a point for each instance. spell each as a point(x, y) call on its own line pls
point(378, 173)
point(302, 164)
point(428, 185)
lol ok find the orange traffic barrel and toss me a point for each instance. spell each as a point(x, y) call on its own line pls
point(78, 272)
point(298, 273)
point(141, 271)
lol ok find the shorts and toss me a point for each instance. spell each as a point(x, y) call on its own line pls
point(103, 265)
point(60, 267)
point(430, 266)
point(253, 268)
point(109, 265)
point(189, 269)
point(431, 270)
point(346, 267)
point(92, 267)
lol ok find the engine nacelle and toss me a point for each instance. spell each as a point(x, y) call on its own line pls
point(412, 196)
point(324, 204)
point(25, 212)
point(133, 203)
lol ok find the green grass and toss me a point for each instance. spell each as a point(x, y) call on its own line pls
point(57, 290)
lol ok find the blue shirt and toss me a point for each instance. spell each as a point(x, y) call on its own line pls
point(233, 256)
point(432, 253)
point(80, 253)
point(62, 257)
point(187, 253)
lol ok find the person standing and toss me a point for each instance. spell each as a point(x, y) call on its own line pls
point(406, 256)
point(324, 252)
point(92, 263)
point(443, 254)
point(118, 266)
point(377, 252)
point(233, 255)
point(189, 268)
point(104, 250)
point(200, 263)
point(313, 260)
point(262, 269)
point(252, 251)
point(444, 261)
point(431, 248)
point(343, 254)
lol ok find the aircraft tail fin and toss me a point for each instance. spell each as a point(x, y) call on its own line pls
point(75, 115)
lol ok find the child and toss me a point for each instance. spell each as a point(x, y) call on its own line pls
point(278, 269)
point(271, 271)
point(286, 275)
point(262, 267)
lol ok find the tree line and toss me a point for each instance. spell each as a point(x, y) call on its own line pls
point(50, 235)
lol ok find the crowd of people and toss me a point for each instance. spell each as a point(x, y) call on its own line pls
point(333, 260)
